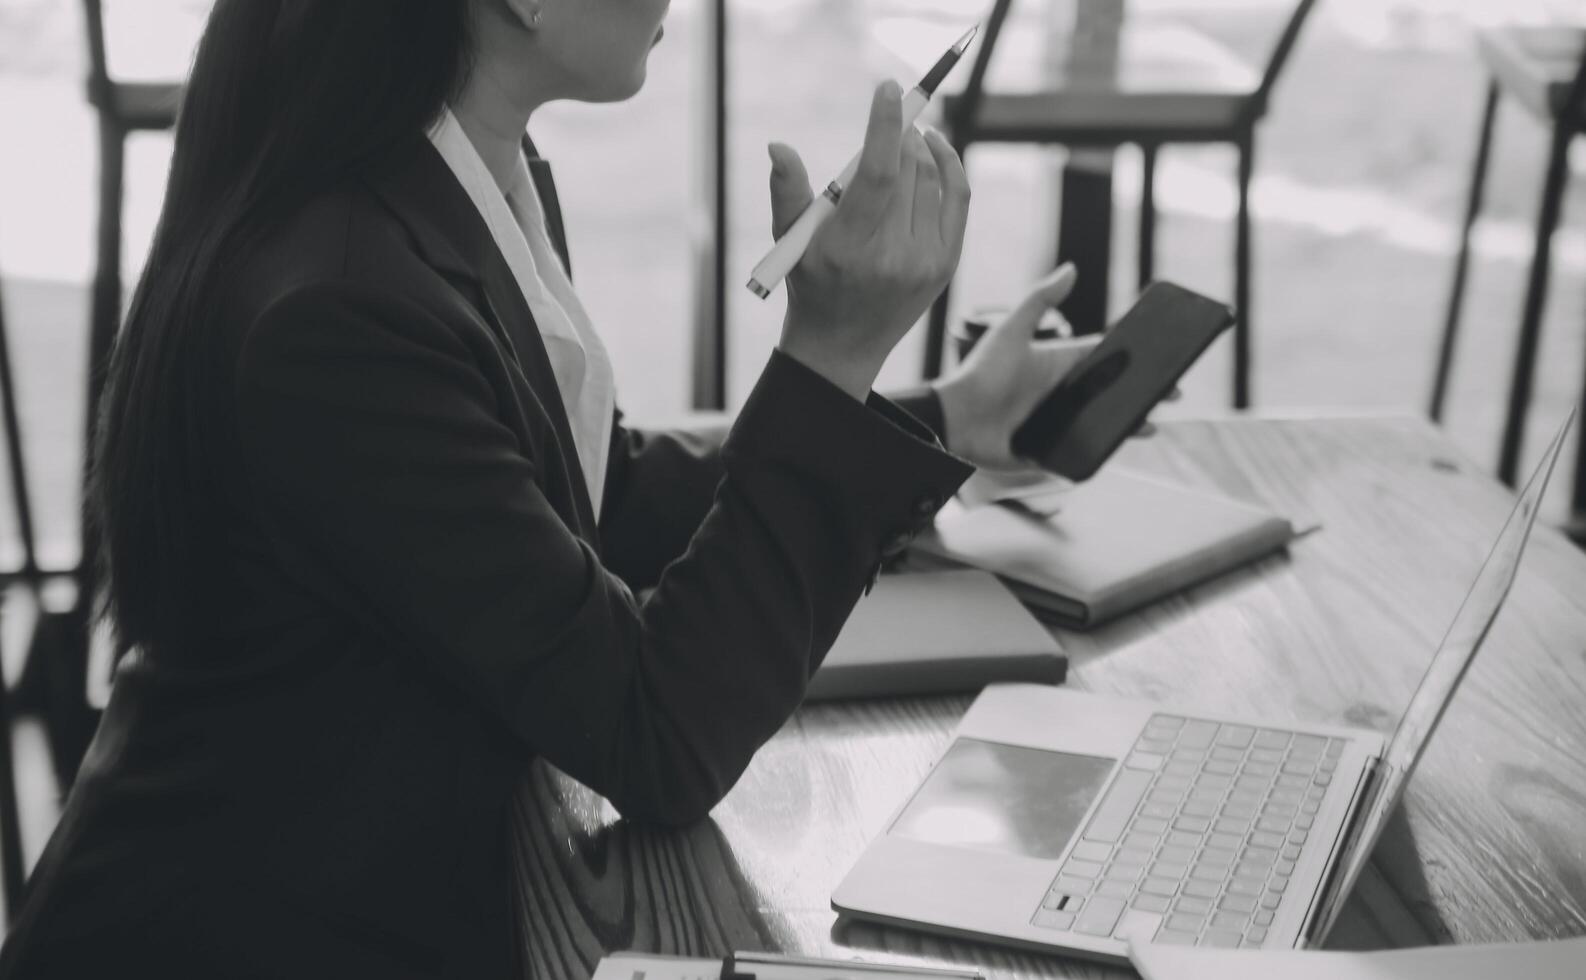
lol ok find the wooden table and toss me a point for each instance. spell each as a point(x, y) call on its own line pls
point(1489, 845)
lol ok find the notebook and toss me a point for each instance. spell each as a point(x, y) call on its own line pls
point(1107, 546)
point(936, 632)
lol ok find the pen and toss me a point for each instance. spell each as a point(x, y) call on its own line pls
point(784, 255)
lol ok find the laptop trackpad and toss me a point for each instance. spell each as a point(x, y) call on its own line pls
point(1004, 798)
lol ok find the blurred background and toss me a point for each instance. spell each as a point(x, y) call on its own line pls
point(1359, 179)
point(1362, 166)
point(1361, 170)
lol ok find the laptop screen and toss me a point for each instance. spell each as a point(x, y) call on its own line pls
point(1453, 658)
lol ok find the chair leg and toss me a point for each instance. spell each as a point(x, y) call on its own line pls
point(1147, 215)
point(936, 323)
point(65, 640)
point(1246, 147)
point(1535, 303)
point(936, 334)
point(22, 499)
point(1456, 299)
point(709, 368)
point(106, 313)
point(106, 316)
point(11, 870)
point(1084, 234)
point(1576, 528)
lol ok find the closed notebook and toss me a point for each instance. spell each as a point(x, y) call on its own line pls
point(936, 632)
point(1107, 546)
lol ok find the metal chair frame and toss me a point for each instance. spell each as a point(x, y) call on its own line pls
point(1567, 122)
point(122, 109)
point(1241, 135)
point(12, 873)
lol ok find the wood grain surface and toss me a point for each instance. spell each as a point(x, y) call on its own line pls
point(1489, 845)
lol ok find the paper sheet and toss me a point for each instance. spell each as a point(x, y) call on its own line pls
point(1563, 959)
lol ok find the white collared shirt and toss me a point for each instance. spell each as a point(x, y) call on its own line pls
point(517, 223)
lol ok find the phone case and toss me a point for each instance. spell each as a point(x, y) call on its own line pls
point(1096, 406)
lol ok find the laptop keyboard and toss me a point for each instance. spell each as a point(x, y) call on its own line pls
point(1197, 836)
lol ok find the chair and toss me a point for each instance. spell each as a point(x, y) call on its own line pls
point(1544, 70)
point(20, 498)
point(123, 108)
point(1192, 95)
point(12, 873)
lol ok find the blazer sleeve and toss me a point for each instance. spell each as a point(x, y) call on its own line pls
point(660, 485)
point(375, 453)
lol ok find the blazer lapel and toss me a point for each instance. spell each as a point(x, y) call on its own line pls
point(545, 189)
point(451, 235)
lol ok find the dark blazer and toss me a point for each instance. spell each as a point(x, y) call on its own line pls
point(419, 600)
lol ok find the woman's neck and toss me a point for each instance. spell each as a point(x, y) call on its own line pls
point(494, 119)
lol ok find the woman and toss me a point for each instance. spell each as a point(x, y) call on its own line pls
point(374, 538)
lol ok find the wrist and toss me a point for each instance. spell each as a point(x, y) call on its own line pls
point(850, 374)
point(956, 423)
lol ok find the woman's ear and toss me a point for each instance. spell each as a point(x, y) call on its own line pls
point(527, 12)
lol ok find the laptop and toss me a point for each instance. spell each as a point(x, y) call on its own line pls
point(1073, 822)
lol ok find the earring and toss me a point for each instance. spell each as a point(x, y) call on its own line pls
point(534, 18)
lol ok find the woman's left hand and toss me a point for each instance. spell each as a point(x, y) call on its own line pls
point(1006, 375)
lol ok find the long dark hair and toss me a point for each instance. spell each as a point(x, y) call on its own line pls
point(287, 98)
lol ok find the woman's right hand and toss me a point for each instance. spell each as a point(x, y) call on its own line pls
point(883, 256)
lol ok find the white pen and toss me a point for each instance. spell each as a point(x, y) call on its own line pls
point(787, 251)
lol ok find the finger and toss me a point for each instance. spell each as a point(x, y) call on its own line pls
point(881, 158)
point(1053, 325)
point(900, 205)
point(790, 188)
point(927, 191)
point(955, 189)
point(1054, 359)
point(1084, 344)
point(1043, 296)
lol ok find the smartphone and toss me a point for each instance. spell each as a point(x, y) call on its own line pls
point(1106, 396)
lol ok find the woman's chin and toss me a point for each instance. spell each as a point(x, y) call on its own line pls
point(635, 83)
point(614, 90)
